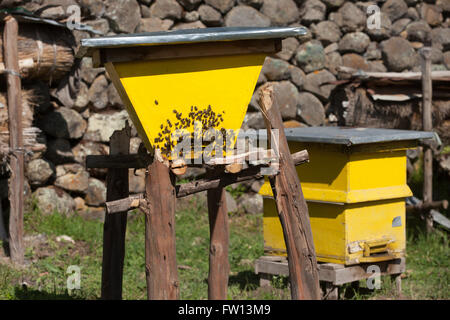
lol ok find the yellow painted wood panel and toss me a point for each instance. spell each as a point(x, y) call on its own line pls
point(371, 170)
point(154, 89)
point(375, 223)
point(326, 169)
point(339, 174)
point(335, 228)
point(328, 228)
point(273, 232)
point(353, 195)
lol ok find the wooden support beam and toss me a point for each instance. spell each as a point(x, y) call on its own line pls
point(160, 250)
point(219, 266)
point(221, 180)
point(291, 206)
point(427, 126)
point(435, 75)
point(114, 228)
point(262, 156)
point(139, 161)
point(117, 161)
point(213, 182)
point(125, 204)
point(16, 163)
point(426, 207)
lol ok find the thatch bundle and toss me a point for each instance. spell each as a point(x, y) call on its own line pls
point(45, 51)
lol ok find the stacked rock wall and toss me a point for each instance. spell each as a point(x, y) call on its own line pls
point(83, 110)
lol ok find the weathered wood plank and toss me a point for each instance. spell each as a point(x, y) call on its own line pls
point(143, 160)
point(271, 267)
point(441, 219)
point(291, 207)
point(336, 275)
point(186, 189)
point(435, 75)
point(419, 208)
point(359, 272)
point(114, 228)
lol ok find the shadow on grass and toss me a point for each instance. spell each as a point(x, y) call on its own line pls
point(352, 291)
point(247, 280)
point(22, 293)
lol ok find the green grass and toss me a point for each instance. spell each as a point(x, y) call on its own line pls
point(427, 275)
point(428, 267)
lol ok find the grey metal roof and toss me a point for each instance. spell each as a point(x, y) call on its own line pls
point(189, 36)
point(350, 136)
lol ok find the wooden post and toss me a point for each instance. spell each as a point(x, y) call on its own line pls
point(219, 266)
point(115, 225)
point(160, 250)
point(331, 291)
point(427, 92)
point(292, 208)
point(16, 184)
point(397, 279)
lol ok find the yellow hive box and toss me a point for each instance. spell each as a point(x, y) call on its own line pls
point(355, 188)
point(198, 81)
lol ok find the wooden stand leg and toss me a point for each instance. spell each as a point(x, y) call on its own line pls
point(160, 250)
point(15, 140)
point(292, 209)
point(331, 291)
point(219, 266)
point(265, 280)
point(397, 278)
point(115, 225)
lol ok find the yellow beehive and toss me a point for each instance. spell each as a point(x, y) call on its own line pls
point(355, 188)
point(172, 80)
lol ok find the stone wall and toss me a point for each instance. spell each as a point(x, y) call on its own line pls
point(82, 112)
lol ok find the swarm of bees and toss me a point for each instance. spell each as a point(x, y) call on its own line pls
point(208, 118)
